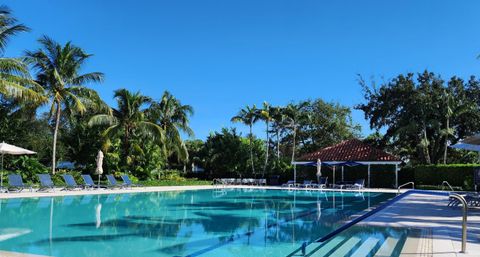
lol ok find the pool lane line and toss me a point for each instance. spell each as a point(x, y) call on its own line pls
point(238, 236)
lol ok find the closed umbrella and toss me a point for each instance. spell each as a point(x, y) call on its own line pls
point(319, 170)
point(99, 169)
point(12, 150)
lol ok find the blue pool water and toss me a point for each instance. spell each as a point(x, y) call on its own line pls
point(233, 222)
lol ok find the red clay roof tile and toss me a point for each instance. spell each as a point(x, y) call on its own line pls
point(350, 150)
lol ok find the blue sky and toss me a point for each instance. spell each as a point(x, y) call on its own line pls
point(220, 55)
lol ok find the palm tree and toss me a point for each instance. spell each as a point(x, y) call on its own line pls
point(128, 120)
point(294, 116)
point(248, 116)
point(173, 118)
point(15, 80)
point(278, 119)
point(58, 69)
point(266, 115)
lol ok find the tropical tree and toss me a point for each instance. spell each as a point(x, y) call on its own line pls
point(58, 70)
point(278, 118)
point(128, 121)
point(266, 115)
point(227, 153)
point(173, 117)
point(422, 115)
point(328, 123)
point(15, 80)
point(248, 116)
point(294, 116)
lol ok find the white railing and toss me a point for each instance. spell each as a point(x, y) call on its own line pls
point(406, 184)
point(448, 184)
point(464, 220)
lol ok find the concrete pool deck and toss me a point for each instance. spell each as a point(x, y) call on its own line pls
point(441, 225)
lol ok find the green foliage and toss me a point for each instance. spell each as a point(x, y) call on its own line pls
point(173, 117)
point(28, 167)
point(458, 175)
point(167, 174)
point(423, 114)
point(328, 124)
point(226, 153)
point(81, 142)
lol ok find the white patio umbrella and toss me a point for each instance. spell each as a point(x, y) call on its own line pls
point(12, 150)
point(319, 169)
point(99, 169)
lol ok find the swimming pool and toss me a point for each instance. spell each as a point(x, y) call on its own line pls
point(223, 222)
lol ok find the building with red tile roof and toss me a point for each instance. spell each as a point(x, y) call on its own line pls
point(350, 152)
point(353, 150)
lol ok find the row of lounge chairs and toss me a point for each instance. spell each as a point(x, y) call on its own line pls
point(240, 181)
point(15, 183)
point(323, 182)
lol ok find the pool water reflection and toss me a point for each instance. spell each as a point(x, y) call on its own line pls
point(223, 222)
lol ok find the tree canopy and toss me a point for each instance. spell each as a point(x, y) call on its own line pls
point(421, 114)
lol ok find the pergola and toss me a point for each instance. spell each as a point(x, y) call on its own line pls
point(349, 153)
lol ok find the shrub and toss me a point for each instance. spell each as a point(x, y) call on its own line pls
point(28, 167)
point(457, 175)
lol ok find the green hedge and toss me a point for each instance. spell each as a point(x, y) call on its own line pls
point(458, 175)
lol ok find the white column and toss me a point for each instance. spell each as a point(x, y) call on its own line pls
point(369, 175)
point(396, 175)
point(343, 179)
point(334, 174)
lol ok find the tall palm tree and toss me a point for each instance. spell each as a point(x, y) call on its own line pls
point(15, 80)
point(265, 114)
point(278, 118)
point(248, 116)
point(173, 117)
point(294, 116)
point(58, 69)
point(128, 120)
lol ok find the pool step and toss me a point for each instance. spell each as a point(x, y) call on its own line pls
point(323, 249)
point(366, 248)
point(15, 254)
point(346, 247)
point(386, 250)
point(354, 246)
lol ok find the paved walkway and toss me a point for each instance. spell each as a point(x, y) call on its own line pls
point(60, 192)
point(441, 223)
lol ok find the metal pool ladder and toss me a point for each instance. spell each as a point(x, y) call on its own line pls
point(406, 184)
point(448, 184)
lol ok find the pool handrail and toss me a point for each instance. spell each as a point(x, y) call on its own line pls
point(406, 184)
point(448, 184)
point(464, 219)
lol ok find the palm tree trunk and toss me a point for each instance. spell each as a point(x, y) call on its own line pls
point(266, 152)
point(425, 147)
point(55, 135)
point(126, 146)
point(446, 141)
point(294, 143)
point(278, 144)
point(251, 149)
